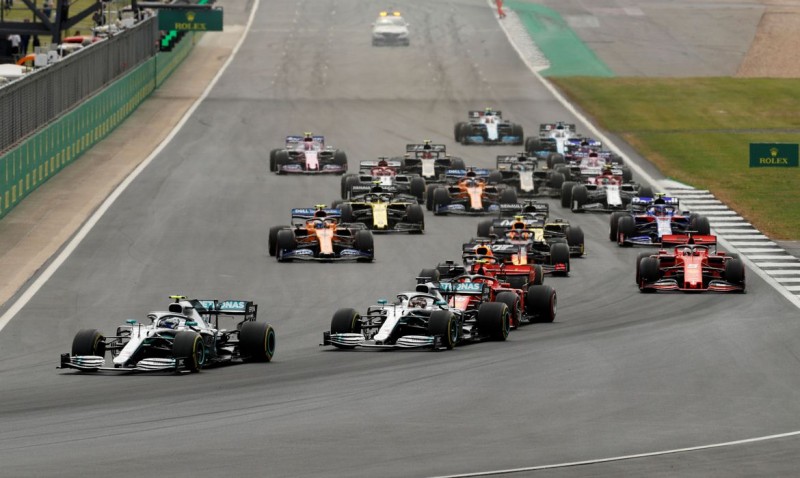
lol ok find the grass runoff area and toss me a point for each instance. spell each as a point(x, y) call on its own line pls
point(698, 131)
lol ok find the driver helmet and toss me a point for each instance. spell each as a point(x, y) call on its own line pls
point(383, 163)
point(170, 323)
point(418, 302)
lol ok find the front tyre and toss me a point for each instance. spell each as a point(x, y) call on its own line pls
point(188, 345)
point(444, 324)
point(89, 342)
point(257, 341)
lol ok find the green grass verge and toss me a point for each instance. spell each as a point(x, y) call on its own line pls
point(698, 131)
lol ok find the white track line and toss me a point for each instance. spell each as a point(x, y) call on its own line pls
point(93, 220)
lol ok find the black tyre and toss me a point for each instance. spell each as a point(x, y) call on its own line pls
point(415, 215)
point(554, 159)
point(256, 341)
point(337, 203)
point(364, 242)
point(645, 192)
point(346, 211)
point(445, 325)
point(495, 177)
point(613, 223)
point(429, 197)
point(508, 196)
point(272, 154)
point(485, 228)
point(346, 186)
point(532, 144)
point(89, 342)
point(701, 225)
point(340, 159)
point(566, 193)
point(541, 303)
point(565, 171)
point(281, 159)
point(441, 198)
point(285, 242)
point(457, 163)
point(188, 345)
point(538, 275)
point(626, 227)
point(428, 275)
point(416, 187)
point(466, 132)
point(514, 306)
point(648, 271)
point(516, 130)
point(345, 321)
point(575, 238)
point(559, 254)
point(457, 130)
point(627, 174)
point(557, 180)
point(639, 258)
point(273, 239)
point(494, 320)
point(579, 197)
point(734, 271)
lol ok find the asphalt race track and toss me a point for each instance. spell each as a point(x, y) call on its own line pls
point(619, 373)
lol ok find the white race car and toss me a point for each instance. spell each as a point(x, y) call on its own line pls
point(186, 337)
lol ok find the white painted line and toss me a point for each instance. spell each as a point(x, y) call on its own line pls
point(793, 288)
point(722, 213)
point(784, 272)
point(752, 243)
point(690, 191)
point(700, 201)
point(744, 235)
point(750, 250)
point(40, 281)
point(711, 207)
point(732, 224)
point(778, 265)
point(786, 257)
point(726, 230)
point(624, 457)
point(784, 280)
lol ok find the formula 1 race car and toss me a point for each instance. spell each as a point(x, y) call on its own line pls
point(307, 155)
point(386, 173)
point(421, 319)
point(382, 211)
point(520, 247)
point(604, 192)
point(649, 219)
point(693, 265)
point(319, 234)
point(488, 127)
point(553, 138)
point(533, 217)
point(186, 337)
point(428, 160)
point(469, 192)
point(521, 171)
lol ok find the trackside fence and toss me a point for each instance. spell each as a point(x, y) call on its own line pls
point(44, 153)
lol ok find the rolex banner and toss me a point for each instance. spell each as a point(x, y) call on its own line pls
point(773, 155)
point(204, 20)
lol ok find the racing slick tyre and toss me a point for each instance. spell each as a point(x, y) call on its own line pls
point(441, 198)
point(494, 320)
point(626, 227)
point(508, 196)
point(416, 187)
point(466, 131)
point(516, 130)
point(639, 258)
point(566, 193)
point(345, 321)
point(554, 159)
point(701, 226)
point(457, 130)
point(495, 177)
point(364, 242)
point(557, 179)
point(579, 197)
point(340, 159)
point(188, 345)
point(281, 160)
point(514, 306)
point(538, 275)
point(541, 303)
point(443, 324)
point(89, 342)
point(457, 163)
point(734, 272)
point(348, 181)
point(613, 223)
point(337, 203)
point(256, 341)
point(273, 239)
point(485, 228)
point(429, 198)
point(415, 215)
point(627, 175)
point(575, 239)
point(565, 171)
point(559, 254)
point(645, 192)
point(346, 211)
point(285, 241)
point(531, 144)
point(428, 275)
point(648, 272)
point(272, 154)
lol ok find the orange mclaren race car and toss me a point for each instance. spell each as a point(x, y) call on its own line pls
point(471, 192)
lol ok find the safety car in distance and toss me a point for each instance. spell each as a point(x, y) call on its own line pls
point(651, 218)
point(390, 29)
point(428, 160)
point(307, 154)
point(318, 234)
point(693, 265)
point(186, 337)
point(387, 174)
point(471, 192)
point(382, 211)
point(421, 319)
point(488, 127)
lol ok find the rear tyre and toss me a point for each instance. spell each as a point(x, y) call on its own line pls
point(494, 320)
point(444, 324)
point(348, 181)
point(441, 198)
point(485, 228)
point(429, 198)
point(508, 196)
point(532, 145)
point(428, 275)
point(575, 239)
point(188, 345)
point(579, 197)
point(364, 242)
point(645, 192)
point(559, 254)
point(514, 306)
point(626, 227)
point(538, 275)
point(627, 175)
point(557, 179)
point(613, 225)
point(701, 225)
point(346, 211)
point(495, 177)
point(416, 188)
point(541, 303)
point(554, 159)
point(89, 342)
point(566, 193)
point(415, 215)
point(256, 341)
point(457, 163)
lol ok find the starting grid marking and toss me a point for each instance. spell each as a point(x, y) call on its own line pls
point(768, 256)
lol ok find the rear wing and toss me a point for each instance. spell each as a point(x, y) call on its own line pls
point(375, 163)
point(671, 240)
point(480, 114)
point(359, 189)
point(234, 307)
point(461, 288)
point(311, 213)
point(646, 201)
point(504, 161)
point(462, 173)
point(545, 127)
point(433, 148)
point(290, 140)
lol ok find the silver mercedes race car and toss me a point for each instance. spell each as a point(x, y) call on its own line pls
point(185, 338)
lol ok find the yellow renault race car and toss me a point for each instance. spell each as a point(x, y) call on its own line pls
point(381, 209)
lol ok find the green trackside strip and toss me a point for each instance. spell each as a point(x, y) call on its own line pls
point(567, 54)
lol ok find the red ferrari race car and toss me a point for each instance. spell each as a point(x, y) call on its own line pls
point(694, 265)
